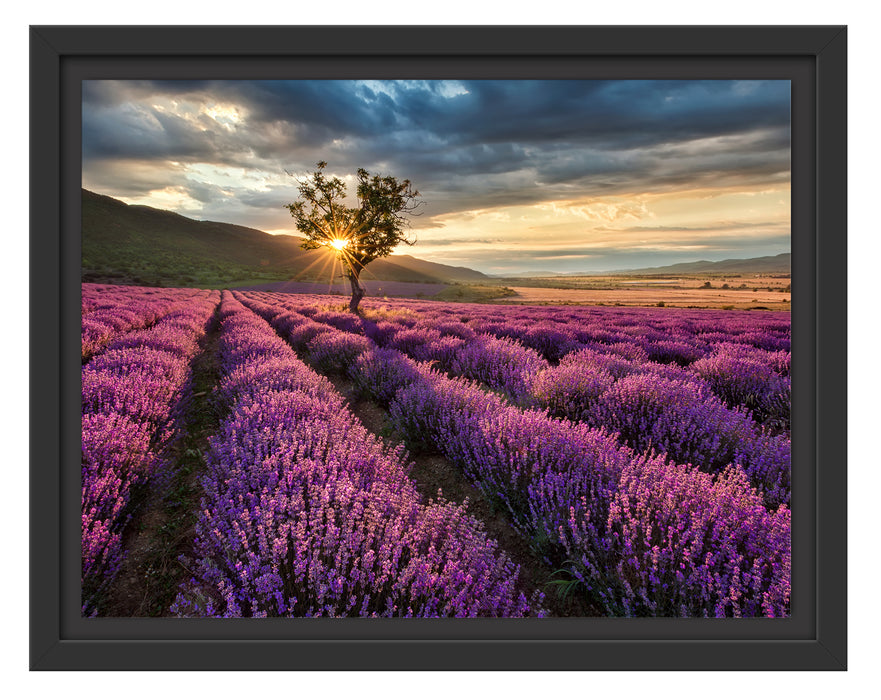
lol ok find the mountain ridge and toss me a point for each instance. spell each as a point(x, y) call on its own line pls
point(779, 263)
point(139, 244)
point(782, 262)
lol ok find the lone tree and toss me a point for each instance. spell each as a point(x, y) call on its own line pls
point(358, 234)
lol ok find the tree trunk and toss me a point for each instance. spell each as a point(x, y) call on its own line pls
point(358, 292)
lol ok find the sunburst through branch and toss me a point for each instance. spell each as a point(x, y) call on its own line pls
point(358, 235)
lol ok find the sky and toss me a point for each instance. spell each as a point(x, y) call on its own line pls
point(516, 176)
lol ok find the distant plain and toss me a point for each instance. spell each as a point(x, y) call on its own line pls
point(732, 291)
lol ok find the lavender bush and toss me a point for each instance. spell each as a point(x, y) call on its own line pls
point(129, 393)
point(602, 509)
point(684, 544)
point(307, 514)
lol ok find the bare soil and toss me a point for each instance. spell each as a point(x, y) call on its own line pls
point(163, 528)
point(432, 473)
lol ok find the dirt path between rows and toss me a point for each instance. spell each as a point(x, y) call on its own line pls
point(163, 528)
point(432, 472)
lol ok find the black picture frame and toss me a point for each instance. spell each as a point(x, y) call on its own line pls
point(812, 57)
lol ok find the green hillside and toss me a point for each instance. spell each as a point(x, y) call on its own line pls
point(129, 244)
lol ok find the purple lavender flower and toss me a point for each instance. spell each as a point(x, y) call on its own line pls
point(307, 514)
point(129, 393)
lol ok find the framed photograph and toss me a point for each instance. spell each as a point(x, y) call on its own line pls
point(438, 348)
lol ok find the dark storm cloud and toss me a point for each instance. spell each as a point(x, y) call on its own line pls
point(610, 115)
point(326, 108)
point(563, 130)
point(135, 132)
point(98, 93)
point(283, 116)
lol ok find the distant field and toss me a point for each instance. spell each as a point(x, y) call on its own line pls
point(739, 292)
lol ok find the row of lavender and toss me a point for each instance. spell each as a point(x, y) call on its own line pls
point(560, 329)
point(743, 357)
point(644, 536)
point(109, 311)
point(129, 393)
point(307, 514)
point(670, 409)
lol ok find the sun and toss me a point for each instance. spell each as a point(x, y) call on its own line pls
point(338, 243)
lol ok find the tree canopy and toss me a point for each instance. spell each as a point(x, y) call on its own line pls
point(359, 234)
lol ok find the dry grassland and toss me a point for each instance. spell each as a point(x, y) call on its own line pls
point(742, 292)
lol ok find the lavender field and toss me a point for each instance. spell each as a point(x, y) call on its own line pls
point(639, 456)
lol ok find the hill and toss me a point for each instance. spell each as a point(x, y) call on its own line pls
point(133, 244)
point(770, 264)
